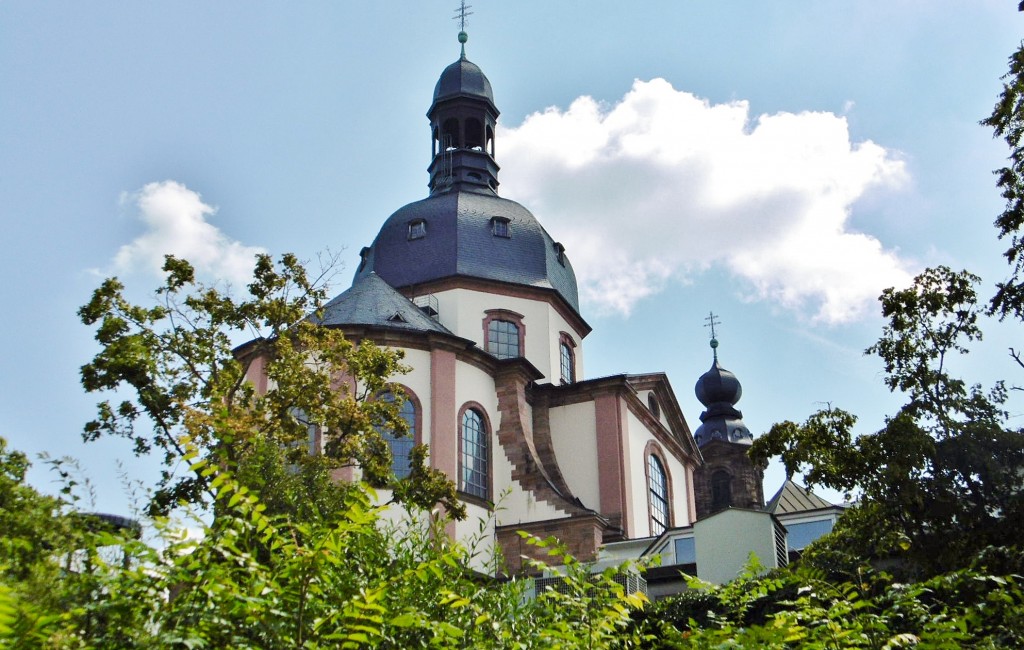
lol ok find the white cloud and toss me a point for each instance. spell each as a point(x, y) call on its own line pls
point(663, 184)
point(176, 224)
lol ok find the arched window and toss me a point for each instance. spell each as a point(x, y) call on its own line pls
point(401, 446)
point(312, 439)
point(567, 359)
point(474, 477)
point(450, 134)
point(657, 486)
point(721, 490)
point(474, 134)
point(503, 333)
point(652, 404)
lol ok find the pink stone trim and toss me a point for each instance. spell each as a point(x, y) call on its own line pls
point(611, 461)
point(443, 437)
point(691, 498)
point(582, 534)
point(257, 374)
point(525, 453)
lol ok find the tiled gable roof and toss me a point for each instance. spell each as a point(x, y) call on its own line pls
point(795, 498)
point(372, 301)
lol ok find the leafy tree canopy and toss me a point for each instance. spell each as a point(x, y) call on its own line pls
point(945, 476)
point(175, 367)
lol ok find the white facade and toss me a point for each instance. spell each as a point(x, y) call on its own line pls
point(484, 305)
point(727, 540)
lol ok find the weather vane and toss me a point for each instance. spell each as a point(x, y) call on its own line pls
point(711, 321)
point(461, 13)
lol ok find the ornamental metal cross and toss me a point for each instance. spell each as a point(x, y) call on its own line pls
point(461, 13)
point(711, 321)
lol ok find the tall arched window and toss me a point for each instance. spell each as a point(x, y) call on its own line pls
point(450, 134)
point(567, 359)
point(721, 490)
point(657, 486)
point(401, 446)
point(312, 442)
point(474, 477)
point(474, 134)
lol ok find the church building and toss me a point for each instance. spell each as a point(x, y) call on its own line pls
point(484, 304)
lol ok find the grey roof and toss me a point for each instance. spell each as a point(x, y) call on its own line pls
point(795, 498)
point(459, 242)
point(371, 301)
point(463, 79)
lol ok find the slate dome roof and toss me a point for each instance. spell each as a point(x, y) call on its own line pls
point(458, 240)
point(463, 79)
point(452, 233)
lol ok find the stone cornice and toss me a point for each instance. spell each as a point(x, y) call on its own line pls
point(622, 387)
point(495, 287)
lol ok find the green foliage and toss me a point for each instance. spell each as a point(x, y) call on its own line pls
point(31, 528)
point(28, 519)
point(802, 608)
point(692, 609)
point(945, 476)
point(1007, 122)
point(346, 579)
point(177, 362)
point(584, 609)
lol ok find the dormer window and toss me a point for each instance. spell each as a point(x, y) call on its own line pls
point(500, 227)
point(417, 229)
point(560, 253)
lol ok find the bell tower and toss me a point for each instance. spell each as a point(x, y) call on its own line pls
point(728, 478)
point(462, 120)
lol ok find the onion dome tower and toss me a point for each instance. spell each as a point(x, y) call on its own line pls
point(728, 478)
point(719, 390)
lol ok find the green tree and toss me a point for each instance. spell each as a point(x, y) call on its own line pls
point(29, 519)
point(182, 376)
point(1007, 122)
point(32, 529)
point(945, 476)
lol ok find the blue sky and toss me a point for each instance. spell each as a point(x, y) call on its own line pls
point(778, 163)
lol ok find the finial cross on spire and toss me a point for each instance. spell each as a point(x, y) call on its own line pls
point(712, 321)
point(461, 13)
